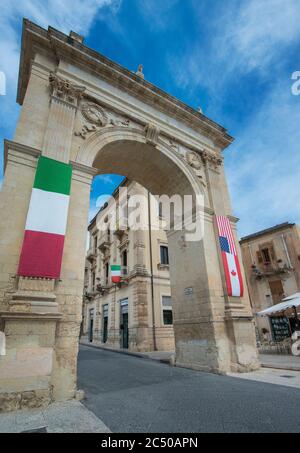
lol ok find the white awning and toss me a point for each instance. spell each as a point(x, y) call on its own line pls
point(287, 303)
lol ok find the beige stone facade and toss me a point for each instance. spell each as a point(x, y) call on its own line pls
point(272, 264)
point(80, 107)
point(109, 310)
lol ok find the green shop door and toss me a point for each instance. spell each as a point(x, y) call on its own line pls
point(105, 323)
point(124, 324)
point(91, 325)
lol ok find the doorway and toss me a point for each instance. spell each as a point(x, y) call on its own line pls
point(277, 291)
point(91, 325)
point(124, 337)
point(105, 323)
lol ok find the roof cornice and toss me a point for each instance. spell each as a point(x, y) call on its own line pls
point(58, 46)
point(281, 226)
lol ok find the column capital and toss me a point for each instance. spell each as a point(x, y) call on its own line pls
point(64, 90)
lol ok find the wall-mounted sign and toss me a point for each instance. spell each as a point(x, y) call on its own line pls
point(188, 291)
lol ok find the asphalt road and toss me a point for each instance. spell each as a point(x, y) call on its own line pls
point(131, 394)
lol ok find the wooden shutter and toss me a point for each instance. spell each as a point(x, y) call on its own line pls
point(272, 253)
point(259, 257)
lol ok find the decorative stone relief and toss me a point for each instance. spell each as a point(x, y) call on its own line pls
point(36, 284)
point(94, 114)
point(213, 160)
point(152, 134)
point(174, 145)
point(118, 122)
point(97, 117)
point(195, 161)
point(86, 128)
point(65, 90)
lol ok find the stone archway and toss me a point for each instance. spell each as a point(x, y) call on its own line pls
point(103, 119)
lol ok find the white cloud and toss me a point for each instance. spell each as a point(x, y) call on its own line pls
point(157, 12)
point(259, 32)
point(65, 15)
point(263, 166)
point(249, 35)
point(106, 179)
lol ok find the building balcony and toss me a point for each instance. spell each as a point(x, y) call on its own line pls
point(91, 255)
point(104, 243)
point(121, 232)
point(270, 269)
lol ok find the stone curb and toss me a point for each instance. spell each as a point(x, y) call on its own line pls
point(139, 355)
point(281, 367)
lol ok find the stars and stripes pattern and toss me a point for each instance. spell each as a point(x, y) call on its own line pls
point(230, 259)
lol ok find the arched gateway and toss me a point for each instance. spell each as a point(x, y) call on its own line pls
point(83, 115)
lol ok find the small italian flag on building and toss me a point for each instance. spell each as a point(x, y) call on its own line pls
point(115, 273)
point(46, 223)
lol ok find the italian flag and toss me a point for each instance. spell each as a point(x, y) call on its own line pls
point(46, 221)
point(115, 273)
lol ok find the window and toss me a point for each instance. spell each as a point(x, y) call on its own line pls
point(164, 255)
point(167, 310)
point(93, 280)
point(266, 256)
point(105, 311)
point(95, 244)
point(106, 273)
point(160, 210)
point(124, 258)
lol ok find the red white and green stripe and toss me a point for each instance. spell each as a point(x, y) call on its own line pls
point(115, 271)
point(46, 222)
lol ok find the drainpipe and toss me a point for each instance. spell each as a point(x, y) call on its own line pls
point(151, 273)
point(251, 254)
point(286, 250)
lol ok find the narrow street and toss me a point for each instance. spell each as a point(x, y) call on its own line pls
point(131, 394)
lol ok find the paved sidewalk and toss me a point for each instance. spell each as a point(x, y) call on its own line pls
point(66, 417)
point(287, 378)
point(283, 362)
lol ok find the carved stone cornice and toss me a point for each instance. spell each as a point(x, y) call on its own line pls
point(64, 90)
point(57, 46)
point(20, 148)
point(91, 171)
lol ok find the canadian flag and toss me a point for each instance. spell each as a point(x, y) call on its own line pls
point(230, 259)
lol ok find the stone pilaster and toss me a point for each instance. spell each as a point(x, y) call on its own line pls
point(113, 338)
point(140, 253)
point(139, 333)
point(63, 105)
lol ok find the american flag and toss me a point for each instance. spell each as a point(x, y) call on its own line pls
point(230, 259)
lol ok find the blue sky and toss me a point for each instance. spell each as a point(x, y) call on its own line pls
point(234, 58)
